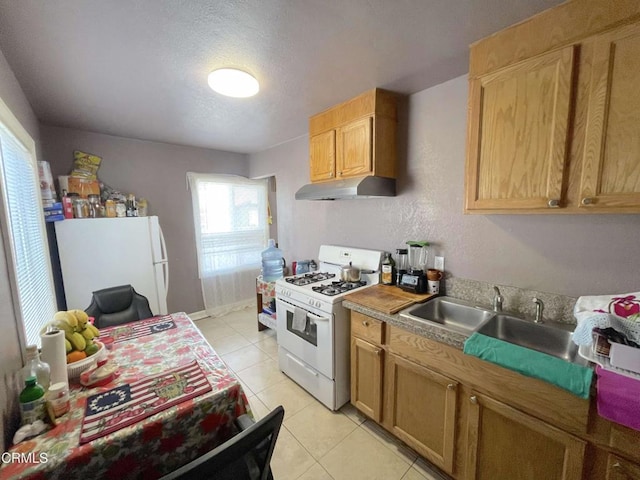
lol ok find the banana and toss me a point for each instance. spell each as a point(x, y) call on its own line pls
point(87, 333)
point(64, 326)
point(81, 317)
point(67, 345)
point(68, 318)
point(94, 329)
point(77, 341)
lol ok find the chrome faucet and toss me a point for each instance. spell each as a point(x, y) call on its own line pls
point(539, 309)
point(497, 300)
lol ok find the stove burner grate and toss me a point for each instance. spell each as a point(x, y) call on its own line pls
point(307, 278)
point(336, 288)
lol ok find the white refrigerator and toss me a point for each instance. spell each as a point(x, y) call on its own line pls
point(97, 253)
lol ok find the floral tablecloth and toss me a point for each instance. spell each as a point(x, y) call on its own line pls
point(154, 446)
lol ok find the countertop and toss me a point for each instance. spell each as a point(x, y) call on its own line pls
point(419, 328)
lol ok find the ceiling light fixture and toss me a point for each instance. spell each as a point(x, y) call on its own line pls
point(233, 83)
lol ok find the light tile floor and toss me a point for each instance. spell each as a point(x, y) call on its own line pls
point(314, 442)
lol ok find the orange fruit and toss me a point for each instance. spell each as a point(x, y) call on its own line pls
point(75, 356)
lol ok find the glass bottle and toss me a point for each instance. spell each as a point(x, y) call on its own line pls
point(388, 277)
point(36, 367)
point(32, 402)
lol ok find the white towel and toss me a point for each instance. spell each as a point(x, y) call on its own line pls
point(299, 319)
point(621, 312)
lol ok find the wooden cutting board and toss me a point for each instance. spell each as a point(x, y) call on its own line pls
point(385, 299)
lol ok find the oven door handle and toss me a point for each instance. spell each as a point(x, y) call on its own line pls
point(295, 360)
point(317, 317)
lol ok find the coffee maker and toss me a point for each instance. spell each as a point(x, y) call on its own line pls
point(415, 280)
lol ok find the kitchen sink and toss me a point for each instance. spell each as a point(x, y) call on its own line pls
point(540, 337)
point(449, 313)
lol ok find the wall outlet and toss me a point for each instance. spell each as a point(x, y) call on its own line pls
point(438, 263)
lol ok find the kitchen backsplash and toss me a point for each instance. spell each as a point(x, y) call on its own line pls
point(557, 308)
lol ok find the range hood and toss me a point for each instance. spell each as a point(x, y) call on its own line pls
point(349, 188)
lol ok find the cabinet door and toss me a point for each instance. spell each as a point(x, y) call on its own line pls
point(322, 156)
point(354, 152)
point(620, 469)
point(503, 442)
point(422, 409)
point(518, 131)
point(611, 163)
point(366, 378)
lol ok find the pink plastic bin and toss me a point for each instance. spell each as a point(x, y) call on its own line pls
point(618, 398)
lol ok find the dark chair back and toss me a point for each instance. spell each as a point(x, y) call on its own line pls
point(247, 455)
point(118, 305)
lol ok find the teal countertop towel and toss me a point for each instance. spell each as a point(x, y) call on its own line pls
point(569, 376)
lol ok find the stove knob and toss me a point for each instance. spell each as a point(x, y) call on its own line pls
point(318, 304)
point(311, 302)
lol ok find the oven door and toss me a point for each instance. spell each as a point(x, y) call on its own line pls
point(313, 343)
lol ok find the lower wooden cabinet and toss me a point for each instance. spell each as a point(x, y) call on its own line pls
point(503, 442)
point(478, 421)
point(366, 378)
point(421, 407)
point(621, 469)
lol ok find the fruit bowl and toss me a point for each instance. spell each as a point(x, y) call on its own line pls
point(74, 369)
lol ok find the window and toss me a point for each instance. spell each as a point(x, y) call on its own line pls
point(24, 233)
point(230, 218)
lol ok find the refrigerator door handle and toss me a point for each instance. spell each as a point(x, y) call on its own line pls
point(165, 273)
point(163, 247)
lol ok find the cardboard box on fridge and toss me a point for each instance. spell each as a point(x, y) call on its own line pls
point(84, 187)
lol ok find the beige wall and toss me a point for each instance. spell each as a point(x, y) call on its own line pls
point(565, 254)
point(10, 352)
point(157, 172)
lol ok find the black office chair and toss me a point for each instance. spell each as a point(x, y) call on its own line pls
point(246, 456)
point(118, 305)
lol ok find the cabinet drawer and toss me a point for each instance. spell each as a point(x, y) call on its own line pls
point(367, 328)
point(625, 440)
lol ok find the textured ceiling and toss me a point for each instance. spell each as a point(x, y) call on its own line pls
point(139, 68)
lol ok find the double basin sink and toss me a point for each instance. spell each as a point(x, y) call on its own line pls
point(462, 317)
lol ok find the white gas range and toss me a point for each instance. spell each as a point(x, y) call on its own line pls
point(313, 326)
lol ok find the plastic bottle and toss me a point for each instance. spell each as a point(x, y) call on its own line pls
point(32, 402)
point(272, 262)
point(36, 367)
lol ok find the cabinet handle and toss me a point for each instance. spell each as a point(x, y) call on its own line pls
point(473, 399)
point(365, 323)
point(587, 201)
point(451, 386)
point(378, 352)
point(553, 203)
point(340, 173)
point(617, 465)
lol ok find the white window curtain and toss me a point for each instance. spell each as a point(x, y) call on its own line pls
point(23, 228)
point(230, 221)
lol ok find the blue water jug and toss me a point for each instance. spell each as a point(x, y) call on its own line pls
point(272, 262)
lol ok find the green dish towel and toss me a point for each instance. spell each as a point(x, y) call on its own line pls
point(569, 376)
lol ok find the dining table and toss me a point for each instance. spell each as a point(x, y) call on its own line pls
point(172, 400)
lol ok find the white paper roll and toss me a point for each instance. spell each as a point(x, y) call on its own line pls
point(54, 353)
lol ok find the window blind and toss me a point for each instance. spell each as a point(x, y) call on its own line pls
point(25, 235)
point(230, 219)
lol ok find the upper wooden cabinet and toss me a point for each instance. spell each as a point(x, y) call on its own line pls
point(518, 134)
point(554, 113)
point(355, 139)
point(611, 168)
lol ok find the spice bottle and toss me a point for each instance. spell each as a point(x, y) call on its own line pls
point(110, 208)
point(388, 276)
point(32, 402)
point(34, 367)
